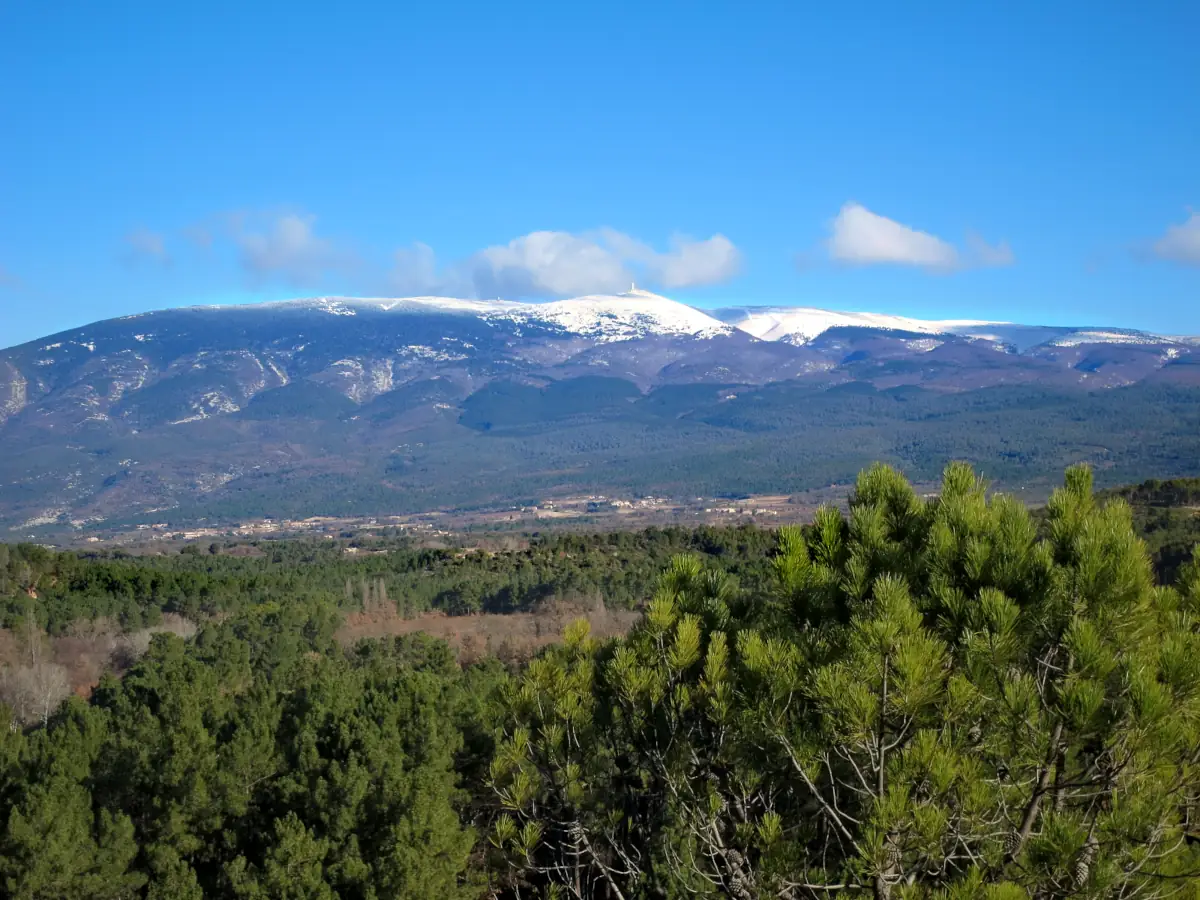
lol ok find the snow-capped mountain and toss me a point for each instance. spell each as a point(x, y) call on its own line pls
point(147, 409)
point(638, 313)
point(183, 365)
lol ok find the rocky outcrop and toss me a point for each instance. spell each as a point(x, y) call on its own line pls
point(14, 391)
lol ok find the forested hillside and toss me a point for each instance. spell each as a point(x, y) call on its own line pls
point(201, 581)
point(944, 697)
point(512, 444)
point(1166, 515)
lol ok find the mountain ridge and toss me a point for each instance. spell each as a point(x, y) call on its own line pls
point(584, 315)
point(196, 405)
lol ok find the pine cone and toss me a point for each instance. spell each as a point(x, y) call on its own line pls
point(1083, 865)
point(1011, 843)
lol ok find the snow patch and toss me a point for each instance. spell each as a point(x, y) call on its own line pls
point(381, 377)
point(430, 354)
point(1107, 337)
point(211, 404)
point(363, 380)
point(923, 345)
point(334, 307)
point(279, 373)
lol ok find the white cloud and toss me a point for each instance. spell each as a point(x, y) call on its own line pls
point(1181, 243)
point(548, 264)
point(689, 263)
point(143, 244)
point(861, 237)
point(561, 264)
point(289, 249)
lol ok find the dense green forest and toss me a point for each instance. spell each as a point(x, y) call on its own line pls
point(948, 697)
point(203, 580)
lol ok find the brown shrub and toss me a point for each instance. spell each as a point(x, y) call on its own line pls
point(83, 654)
point(509, 636)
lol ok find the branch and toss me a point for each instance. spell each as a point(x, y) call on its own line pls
point(882, 717)
point(1031, 809)
point(829, 810)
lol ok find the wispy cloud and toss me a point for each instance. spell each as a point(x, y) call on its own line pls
point(286, 247)
point(860, 237)
point(688, 262)
point(144, 245)
point(981, 253)
point(560, 264)
point(415, 272)
point(1180, 243)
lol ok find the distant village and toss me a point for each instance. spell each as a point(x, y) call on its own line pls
point(591, 511)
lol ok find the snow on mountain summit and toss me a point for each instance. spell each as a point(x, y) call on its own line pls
point(603, 317)
point(636, 313)
point(800, 324)
point(615, 317)
point(349, 306)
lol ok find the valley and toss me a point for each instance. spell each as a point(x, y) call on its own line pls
point(566, 513)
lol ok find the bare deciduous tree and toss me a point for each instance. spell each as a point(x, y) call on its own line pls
point(34, 691)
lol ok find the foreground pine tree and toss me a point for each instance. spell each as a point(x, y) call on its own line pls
point(944, 699)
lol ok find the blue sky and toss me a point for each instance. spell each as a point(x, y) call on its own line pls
point(1024, 161)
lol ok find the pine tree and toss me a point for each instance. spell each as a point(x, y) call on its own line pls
point(54, 846)
point(938, 700)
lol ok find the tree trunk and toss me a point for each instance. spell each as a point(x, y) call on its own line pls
point(1031, 810)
